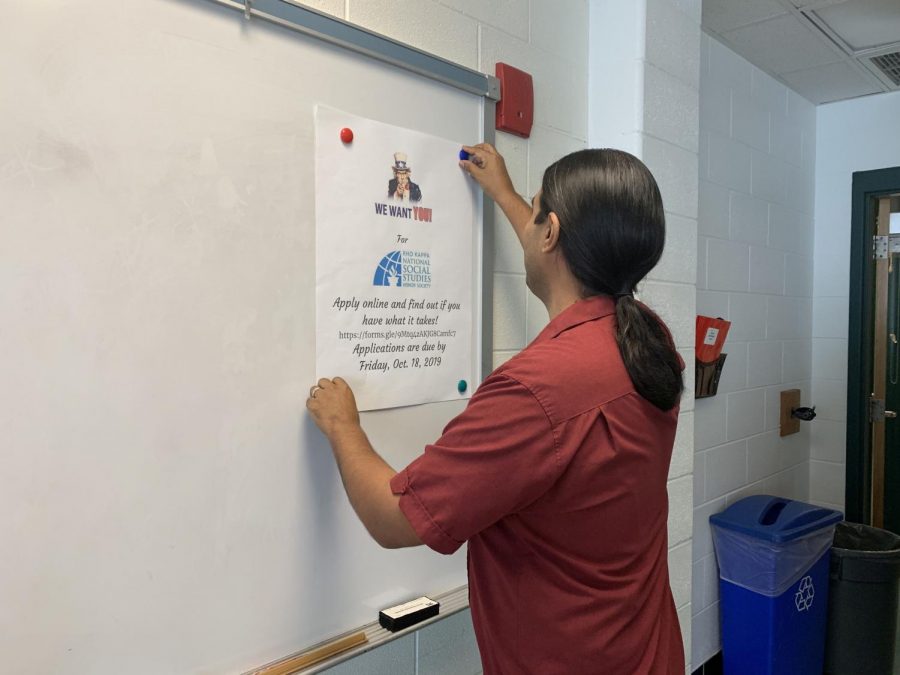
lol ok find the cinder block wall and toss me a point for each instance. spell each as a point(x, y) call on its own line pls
point(755, 268)
point(670, 146)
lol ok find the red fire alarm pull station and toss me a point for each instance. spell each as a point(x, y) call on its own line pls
point(515, 109)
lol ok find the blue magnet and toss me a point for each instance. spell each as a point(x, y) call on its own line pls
point(462, 386)
point(464, 155)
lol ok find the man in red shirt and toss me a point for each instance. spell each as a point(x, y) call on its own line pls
point(555, 474)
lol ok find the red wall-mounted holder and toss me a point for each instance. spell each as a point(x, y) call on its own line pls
point(515, 109)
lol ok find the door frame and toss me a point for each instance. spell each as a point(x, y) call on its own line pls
point(867, 185)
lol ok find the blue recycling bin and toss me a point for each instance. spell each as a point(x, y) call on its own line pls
point(773, 556)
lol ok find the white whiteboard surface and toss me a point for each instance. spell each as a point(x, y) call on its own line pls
point(166, 505)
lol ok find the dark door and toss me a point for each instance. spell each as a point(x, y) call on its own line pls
point(892, 385)
point(873, 430)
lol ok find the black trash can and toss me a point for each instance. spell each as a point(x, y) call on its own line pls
point(863, 601)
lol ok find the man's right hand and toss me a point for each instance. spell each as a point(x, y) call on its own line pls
point(487, 167)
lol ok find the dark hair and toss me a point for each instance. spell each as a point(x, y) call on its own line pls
point(612, 233)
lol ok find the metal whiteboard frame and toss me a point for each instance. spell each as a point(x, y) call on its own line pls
point(335, 31)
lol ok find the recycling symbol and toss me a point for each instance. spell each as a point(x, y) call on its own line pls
point(803, 598)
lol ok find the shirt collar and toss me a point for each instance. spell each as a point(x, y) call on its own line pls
point(588, 309)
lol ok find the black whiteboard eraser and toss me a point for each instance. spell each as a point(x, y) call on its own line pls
point(408, 614)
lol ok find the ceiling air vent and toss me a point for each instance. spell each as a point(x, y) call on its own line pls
point(889, 65)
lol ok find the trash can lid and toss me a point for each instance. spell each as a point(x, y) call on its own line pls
point(775, 519)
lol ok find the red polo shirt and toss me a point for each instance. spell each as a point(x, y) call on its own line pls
point(555, 474)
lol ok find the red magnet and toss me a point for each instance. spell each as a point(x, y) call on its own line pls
point(347, 135)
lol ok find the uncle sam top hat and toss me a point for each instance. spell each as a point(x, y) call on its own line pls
point(400, 165)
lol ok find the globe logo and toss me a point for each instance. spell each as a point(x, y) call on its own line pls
point(390, 270)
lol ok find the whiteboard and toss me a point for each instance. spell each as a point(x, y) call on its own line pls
point(166, 505)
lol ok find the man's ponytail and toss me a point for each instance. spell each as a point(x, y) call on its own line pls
point(648, 353)
point(612, 233)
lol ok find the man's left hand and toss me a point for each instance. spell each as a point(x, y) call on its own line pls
point(333, 406)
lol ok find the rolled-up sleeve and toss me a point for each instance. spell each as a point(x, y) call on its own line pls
point(492, 460)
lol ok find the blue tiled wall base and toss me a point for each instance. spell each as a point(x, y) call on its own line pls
point(784, 635)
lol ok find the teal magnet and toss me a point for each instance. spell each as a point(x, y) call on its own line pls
point(462, 386)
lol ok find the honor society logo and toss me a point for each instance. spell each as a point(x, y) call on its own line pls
point(404, 269)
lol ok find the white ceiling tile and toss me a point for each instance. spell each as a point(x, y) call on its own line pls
point(781, 45)
point(864, 24)
point(789, 46)
point(725, 15)
point(833, 82)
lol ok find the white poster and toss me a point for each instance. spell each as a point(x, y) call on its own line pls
point(395, 262)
